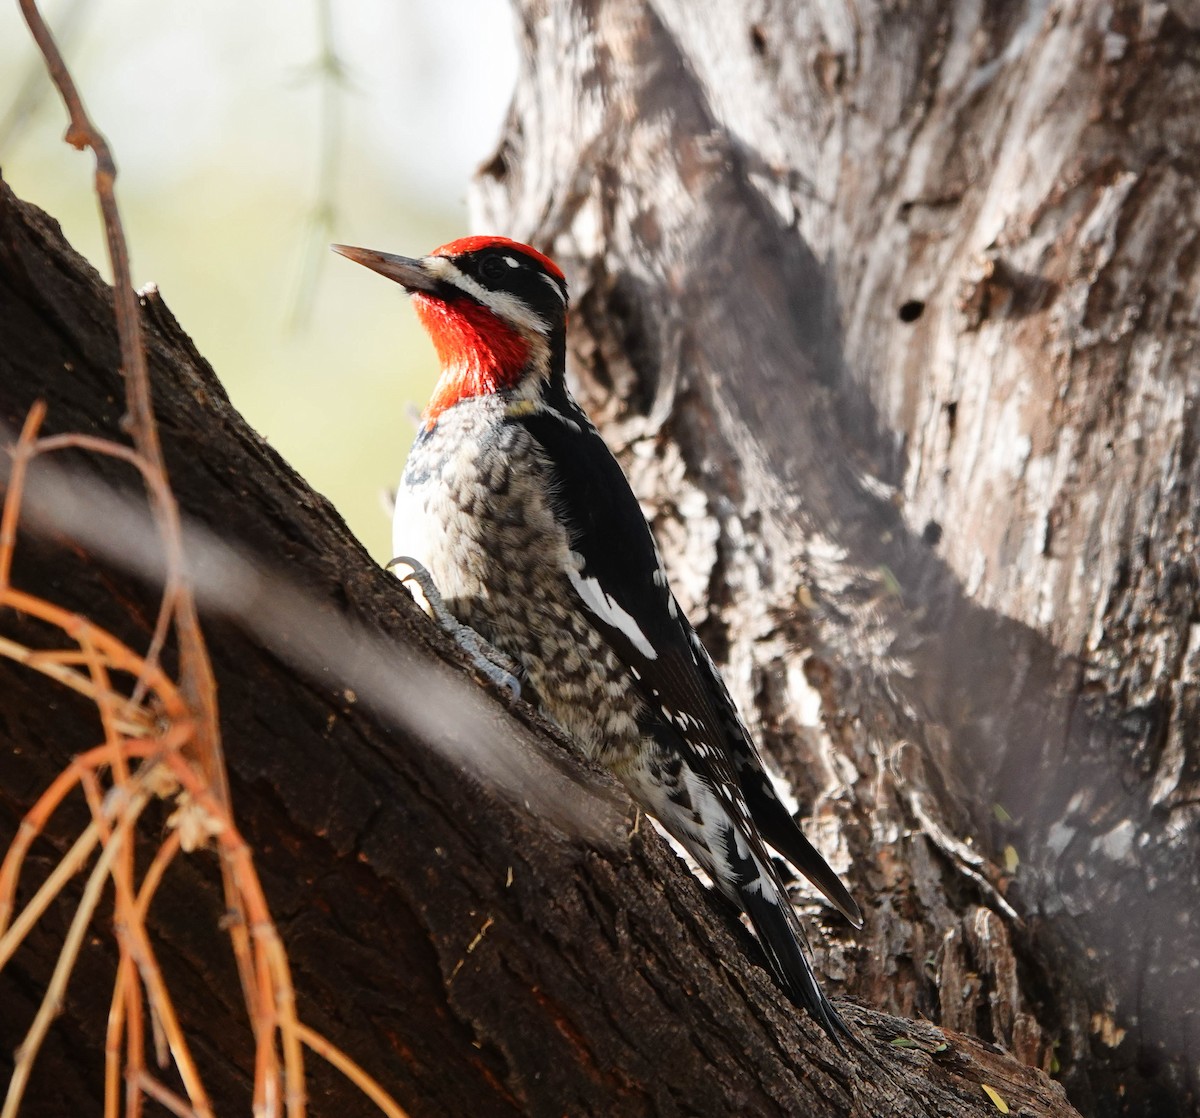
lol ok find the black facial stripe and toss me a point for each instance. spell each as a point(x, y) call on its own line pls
point(490, 268)
point(449, 292)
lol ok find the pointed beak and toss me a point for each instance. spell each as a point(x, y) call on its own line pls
point(411, 274)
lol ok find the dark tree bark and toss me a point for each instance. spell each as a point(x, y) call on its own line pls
point(893, 309)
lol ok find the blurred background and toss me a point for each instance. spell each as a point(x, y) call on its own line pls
point(249, 136)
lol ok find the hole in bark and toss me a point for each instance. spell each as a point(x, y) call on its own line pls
point(932, 533)
point(758, 41)
point(912, 310)
point(952, 416)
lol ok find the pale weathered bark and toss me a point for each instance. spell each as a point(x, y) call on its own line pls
point(893, 310)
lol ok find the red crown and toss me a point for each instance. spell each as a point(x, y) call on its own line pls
point(474, 244)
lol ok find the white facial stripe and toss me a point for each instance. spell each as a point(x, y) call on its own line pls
point(500, 303)
point(555, 286)
point(605, 608)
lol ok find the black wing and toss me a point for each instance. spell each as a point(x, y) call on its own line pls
point(626, 591)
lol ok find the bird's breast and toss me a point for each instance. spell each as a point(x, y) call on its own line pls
point(475, 507)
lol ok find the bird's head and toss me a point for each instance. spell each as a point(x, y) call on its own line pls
point(495, 309)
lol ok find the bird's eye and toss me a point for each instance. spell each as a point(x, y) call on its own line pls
point(493, 268)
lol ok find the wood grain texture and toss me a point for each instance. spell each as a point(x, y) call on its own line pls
point(893, 310)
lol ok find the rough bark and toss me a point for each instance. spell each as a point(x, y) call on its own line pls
point(893, 309)
point(478, 957)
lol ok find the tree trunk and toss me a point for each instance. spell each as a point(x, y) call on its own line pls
point(890, 314)
point(892, 311)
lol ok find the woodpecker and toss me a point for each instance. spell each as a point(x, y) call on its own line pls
point(520, 514)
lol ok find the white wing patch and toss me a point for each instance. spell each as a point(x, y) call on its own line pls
point(605, 608)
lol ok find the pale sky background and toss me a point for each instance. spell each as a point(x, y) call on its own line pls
point(213, 113)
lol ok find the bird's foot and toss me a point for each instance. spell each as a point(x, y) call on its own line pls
point(488, 660)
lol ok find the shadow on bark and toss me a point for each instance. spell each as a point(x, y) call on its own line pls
point(472, 955)
point(707, 328)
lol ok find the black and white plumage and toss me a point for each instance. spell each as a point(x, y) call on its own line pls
point(514, 504)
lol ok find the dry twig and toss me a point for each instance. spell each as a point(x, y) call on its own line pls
point(160, 741)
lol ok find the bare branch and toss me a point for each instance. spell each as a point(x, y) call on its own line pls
point(196, 670)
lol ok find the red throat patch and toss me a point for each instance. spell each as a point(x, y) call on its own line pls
point(479, 353)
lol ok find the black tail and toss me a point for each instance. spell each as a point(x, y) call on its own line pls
point(777, 826)
point(782, 938)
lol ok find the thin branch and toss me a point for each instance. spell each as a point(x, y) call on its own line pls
point(113, 1035)
point(196, 676)
point(33, 87)
point(331, 70)
point(82, 133)
point(156, 482)
point(21, 455)
point(163, 1095)
point(52, 1001)
point(67, 868)
point(131, 931)
point(35, 820)
point(364, 1082)
point(119, 656)
point(136, 1055)
point(266, 977)
point(51, 664)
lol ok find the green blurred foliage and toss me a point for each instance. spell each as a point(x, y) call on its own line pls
point(214, 113)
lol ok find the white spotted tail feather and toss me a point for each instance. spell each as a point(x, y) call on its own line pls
point(523, 518)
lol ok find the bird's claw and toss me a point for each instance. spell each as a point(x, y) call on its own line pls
point(487, 659)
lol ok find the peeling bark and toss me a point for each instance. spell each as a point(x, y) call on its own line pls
point(892, 311)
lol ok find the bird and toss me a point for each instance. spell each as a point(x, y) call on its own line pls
point(517, 517)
